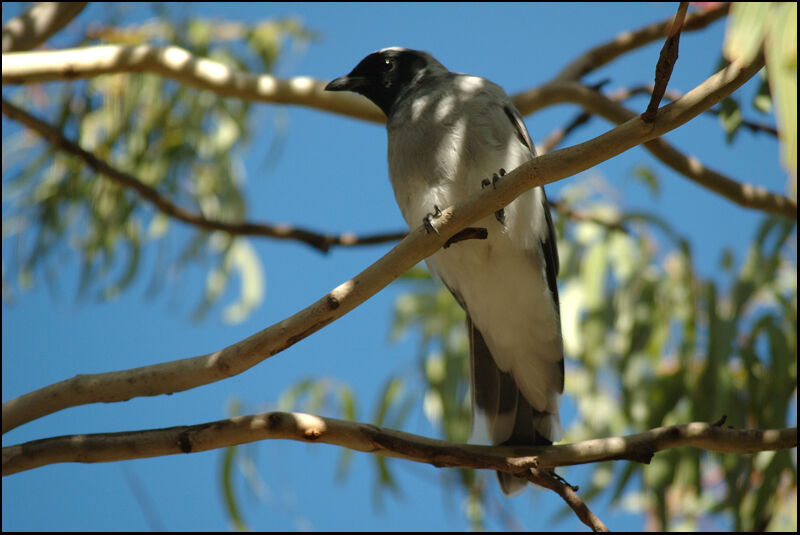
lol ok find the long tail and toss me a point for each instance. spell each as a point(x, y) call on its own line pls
point(500, 413)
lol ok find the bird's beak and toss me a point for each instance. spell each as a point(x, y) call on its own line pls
point(347, 83)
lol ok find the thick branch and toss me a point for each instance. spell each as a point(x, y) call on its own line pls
point(109, 447)
point(179, 64)
point(322, 242)
point(188, 373)
point(38, 24)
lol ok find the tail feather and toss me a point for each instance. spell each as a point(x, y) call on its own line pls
point(500, 413)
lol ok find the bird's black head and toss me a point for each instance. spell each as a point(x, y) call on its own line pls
point(384, 74)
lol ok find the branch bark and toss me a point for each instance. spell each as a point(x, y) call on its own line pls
point(201, 73)
point(320, 241)
point(180, 65)
point(742, 193)
point(625, 42)
point(40, 22)
point(517, 460)
point(188, 373)
point(533, 463)
point(666, 62)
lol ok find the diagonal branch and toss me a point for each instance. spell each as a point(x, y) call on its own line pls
point(569, 495)
point(322, 242)
point(40, 22)
point(180, 375)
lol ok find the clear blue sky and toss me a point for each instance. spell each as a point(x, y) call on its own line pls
point(332, 176)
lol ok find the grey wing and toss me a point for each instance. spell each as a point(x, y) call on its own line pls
point(549, 247)
point(550, 252)
point(519, 125)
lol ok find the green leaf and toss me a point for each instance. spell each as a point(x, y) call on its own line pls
point(781, 54)
point(648, 177)
point(243, 259)
point(745, 31)
point(229, 495)
point(762, 101)
point(730, 116)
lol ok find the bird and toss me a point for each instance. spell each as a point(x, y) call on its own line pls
point(447, 134)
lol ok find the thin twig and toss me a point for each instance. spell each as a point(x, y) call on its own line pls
point(558, 135)
point(321, 242)
point(545, 479)
point(575, 215)
point(666, 62)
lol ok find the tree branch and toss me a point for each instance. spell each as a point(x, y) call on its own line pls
point(624, 93)
point(180, 65)
point(666, 62)
point(575, 215)
point(534, 463)
point(188, 373)
point(322, 242)
point(570, 497)
point(517, 460)
point(626, 41)
point(38, 24)
point(744, 194)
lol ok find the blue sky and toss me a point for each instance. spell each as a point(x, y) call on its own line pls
point(331, 176)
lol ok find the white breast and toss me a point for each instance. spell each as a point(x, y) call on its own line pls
point(440, 148)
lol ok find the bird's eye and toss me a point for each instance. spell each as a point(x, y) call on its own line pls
point(389, 64)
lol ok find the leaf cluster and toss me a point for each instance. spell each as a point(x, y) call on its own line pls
point(187, 144)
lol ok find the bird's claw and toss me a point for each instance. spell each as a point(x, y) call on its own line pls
point(500, 215)
point(427, 221)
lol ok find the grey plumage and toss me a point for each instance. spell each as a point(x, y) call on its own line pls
point(447, 131)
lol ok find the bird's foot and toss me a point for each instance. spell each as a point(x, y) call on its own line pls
point(427, 221)
point(500, 215)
